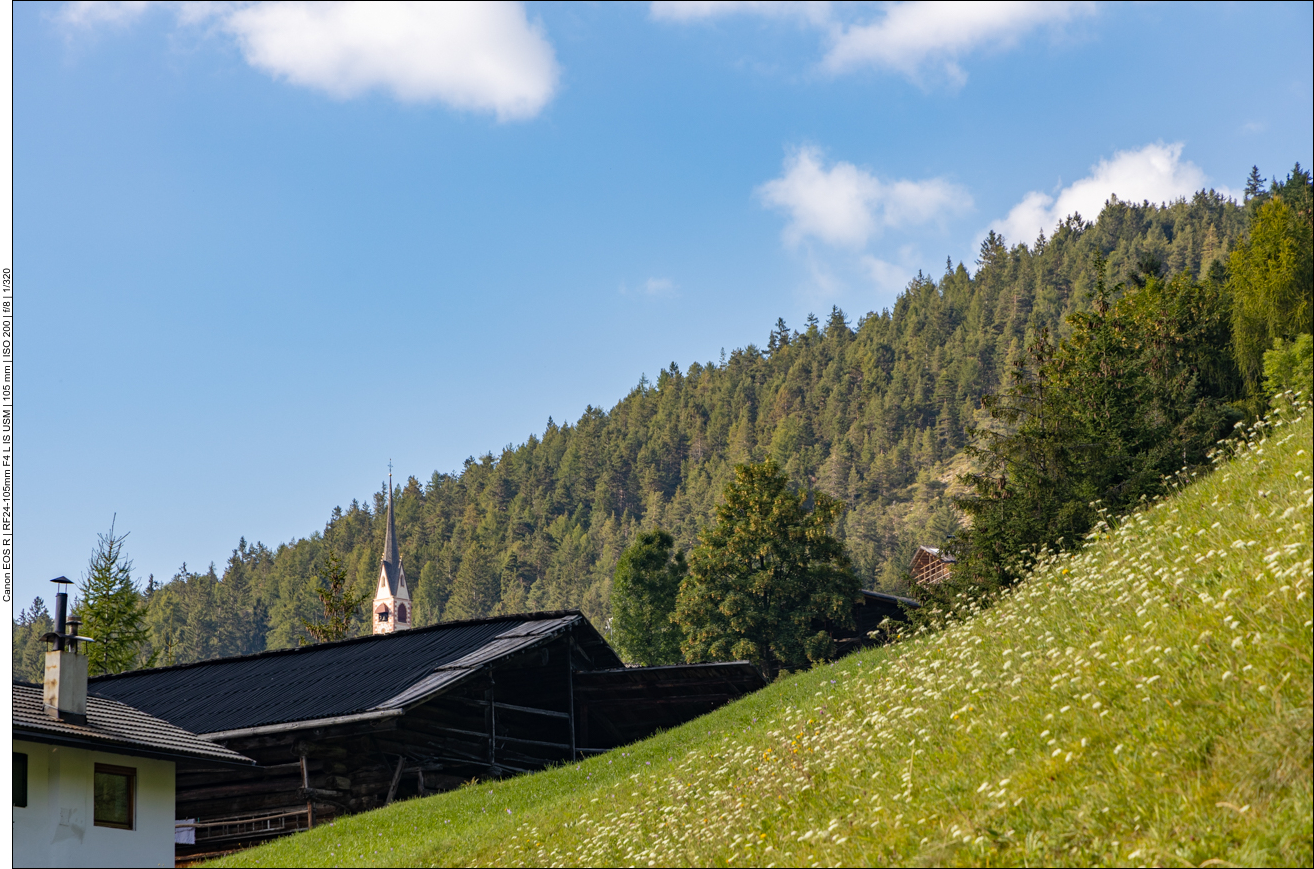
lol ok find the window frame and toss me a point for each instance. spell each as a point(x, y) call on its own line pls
point(131, 774)
point(20, 783)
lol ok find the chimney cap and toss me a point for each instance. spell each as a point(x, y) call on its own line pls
point(62, 580)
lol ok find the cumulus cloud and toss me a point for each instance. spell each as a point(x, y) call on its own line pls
point(845, 206)
point(914, 36)
point(483, 56)
point(911, 38)
point(472, 56)
point(1155, 172)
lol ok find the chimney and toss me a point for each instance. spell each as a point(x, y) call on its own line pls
point(65, 692)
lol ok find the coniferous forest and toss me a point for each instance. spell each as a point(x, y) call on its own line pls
point(875, 410)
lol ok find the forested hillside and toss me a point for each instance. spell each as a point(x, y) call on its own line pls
point(875, 412)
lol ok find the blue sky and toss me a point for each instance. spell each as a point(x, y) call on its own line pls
point(261, 250)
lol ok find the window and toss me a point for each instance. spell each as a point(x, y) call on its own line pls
point(115, 794)
point(20, 780)
point(401, 613)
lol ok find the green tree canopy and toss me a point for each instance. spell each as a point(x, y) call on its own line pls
point(112, 611)
point(766, 574)
point(1139, 389)
point(643, 595)
point(1290, 365)
point(1272, 276)
point(29, 653)
point(341, 606)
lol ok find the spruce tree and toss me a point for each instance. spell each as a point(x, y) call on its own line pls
point(112, 611)
point(767, 576)
point(643, 595)
point(1254, 184)
point(340, 605)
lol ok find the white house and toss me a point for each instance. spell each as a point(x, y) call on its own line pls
point(94, 778)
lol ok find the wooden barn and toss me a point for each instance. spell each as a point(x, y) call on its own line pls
point(873, 608)
point(343, 727)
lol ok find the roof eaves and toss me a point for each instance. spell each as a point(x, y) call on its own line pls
point(880, 595)
point(307, 724)
point(131, 749)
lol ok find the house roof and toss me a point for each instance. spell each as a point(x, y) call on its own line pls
point(880, 597)
point(369, 676)
point(114, 727)
point(934, 552)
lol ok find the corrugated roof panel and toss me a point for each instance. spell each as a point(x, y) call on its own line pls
point(319, 681)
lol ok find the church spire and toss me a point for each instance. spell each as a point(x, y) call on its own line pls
point(392, 569)
point(392, 601)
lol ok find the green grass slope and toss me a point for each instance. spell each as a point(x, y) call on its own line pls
point(1146, 700)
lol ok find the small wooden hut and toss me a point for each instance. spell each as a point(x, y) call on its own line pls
point(930, 565)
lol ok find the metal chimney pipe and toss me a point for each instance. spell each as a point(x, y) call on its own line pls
point(74, 628)
point(64, 693)
point(61, 611)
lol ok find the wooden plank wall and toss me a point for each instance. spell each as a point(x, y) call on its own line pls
point(514, 717)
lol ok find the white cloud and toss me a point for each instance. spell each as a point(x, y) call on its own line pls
point(472, 56)
point(913, 36)
point(683, 11)
point(659, 286)
point(90, 14)
point(484, 56)
point(845, 205)
point(910, 38)
point(889, 278)
point(1155, 172)
point(652, 287)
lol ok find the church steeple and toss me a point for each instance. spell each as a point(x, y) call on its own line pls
point(392, 601)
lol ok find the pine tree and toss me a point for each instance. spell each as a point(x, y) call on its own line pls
point(340, 605)
point(767, 575)
point(112, 611)
point(1254, 184)
point(644, 590)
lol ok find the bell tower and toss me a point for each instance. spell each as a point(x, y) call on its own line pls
point(392, 602)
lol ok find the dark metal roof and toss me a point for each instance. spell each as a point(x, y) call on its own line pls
point(367, 674)
point(882, 597)
point(392, 566)
point(115, 727)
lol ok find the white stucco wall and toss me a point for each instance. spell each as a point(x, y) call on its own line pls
point(55, 829)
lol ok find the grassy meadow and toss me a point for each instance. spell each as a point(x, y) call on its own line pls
point(1146, 700)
